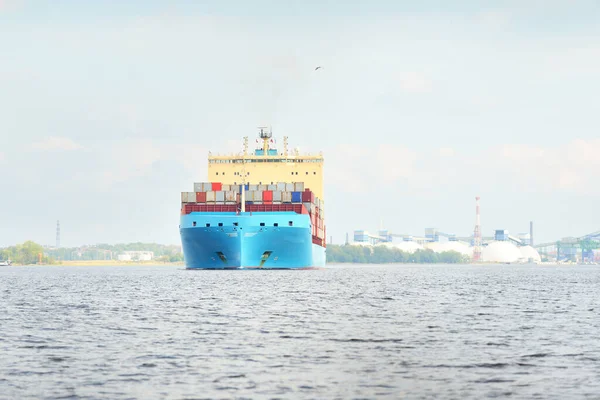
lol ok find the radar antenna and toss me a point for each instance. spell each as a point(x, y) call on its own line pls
point(265, 134)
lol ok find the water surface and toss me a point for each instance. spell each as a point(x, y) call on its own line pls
point(342, 332)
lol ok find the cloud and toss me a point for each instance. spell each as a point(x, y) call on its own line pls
point(446, 152)
point(494, 19)
point(56, 143)
point(133, 158)
point(9, 5)
point(580, 61)
point(413, 82)
point(573, 167)
point(352, 170)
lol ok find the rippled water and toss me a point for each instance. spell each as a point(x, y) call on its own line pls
point(343, 332)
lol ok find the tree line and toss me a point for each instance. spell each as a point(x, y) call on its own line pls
point(385, 255)
point(25, 253)
point(29, 252)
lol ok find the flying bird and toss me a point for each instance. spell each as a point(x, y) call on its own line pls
point(319, 67)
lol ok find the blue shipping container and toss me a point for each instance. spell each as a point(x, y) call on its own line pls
point(296, 197)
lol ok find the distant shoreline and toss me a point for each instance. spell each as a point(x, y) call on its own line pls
point(103, 263)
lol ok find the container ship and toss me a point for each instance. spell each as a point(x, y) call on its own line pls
point(260, 210)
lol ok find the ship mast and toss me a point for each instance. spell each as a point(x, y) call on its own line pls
point(265, 136)
point(243, 194)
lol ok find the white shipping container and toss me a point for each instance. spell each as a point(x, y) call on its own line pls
point(289, 187)
point(211, 197)
point(184, 197)
point(198, 187)
point(299, 187)
point(206, 186)
point(226, 188)
point(257, 196)
point(281, 186)
point(272, 187)
point(231, 196)
point(191, 197)
point(253, 188)
point(276, 195)
point(308, 206)
point(262, 188)
point(286, 197)
point(220, 196)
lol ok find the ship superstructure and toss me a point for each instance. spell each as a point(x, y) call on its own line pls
point(261, 210)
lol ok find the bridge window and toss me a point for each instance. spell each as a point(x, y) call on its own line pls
point(306, 172)
point(314, 173)
point(217, 173)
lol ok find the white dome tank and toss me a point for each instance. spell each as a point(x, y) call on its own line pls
point(407, 247)
point(528, 252)
point(458, 247)
point(501, 252)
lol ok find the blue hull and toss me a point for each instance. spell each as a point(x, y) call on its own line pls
point(267, 240)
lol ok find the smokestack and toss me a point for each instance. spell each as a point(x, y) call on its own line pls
point(531, 233)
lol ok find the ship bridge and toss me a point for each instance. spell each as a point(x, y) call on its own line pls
point(267, 165)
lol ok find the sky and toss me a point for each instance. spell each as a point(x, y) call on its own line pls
point(108, 111)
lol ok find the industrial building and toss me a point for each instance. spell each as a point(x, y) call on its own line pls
point(136, 256)
point(584, 249)
point(502, 247)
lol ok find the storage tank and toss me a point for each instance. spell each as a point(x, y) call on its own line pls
point(529, 253)
point(501, 252)
point(456, 246)
point(407, 247)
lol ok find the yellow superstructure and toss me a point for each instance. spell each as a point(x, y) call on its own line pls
point(267, 166)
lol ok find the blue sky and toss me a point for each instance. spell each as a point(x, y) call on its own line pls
point(108, 111)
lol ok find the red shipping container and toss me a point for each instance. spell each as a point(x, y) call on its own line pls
point(200, 197)
point(308, 197)
point(216, 186)
point(267, 195)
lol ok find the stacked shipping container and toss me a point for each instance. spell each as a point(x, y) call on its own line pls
point(217, 197)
